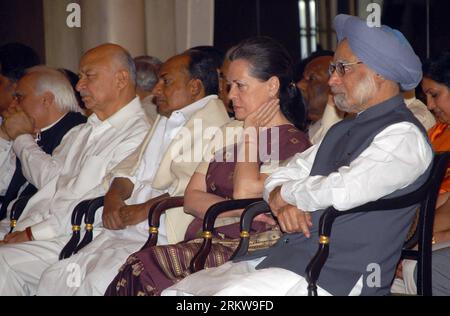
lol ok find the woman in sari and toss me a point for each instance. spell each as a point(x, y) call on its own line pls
point(266, 101)
point(436, 86)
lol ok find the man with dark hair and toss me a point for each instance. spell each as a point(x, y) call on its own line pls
point(312, 80)
point(75, 170)
point(222, 64)
point(186, 97)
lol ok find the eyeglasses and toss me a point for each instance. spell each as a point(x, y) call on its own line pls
point(341, 68)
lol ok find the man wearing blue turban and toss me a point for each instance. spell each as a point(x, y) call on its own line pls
point(382, 152)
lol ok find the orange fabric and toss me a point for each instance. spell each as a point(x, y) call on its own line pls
point(440, 139)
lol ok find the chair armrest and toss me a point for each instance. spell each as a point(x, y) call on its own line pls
point(154, 216)
point(93, 206)
point(247, 217)
point(17, 210)
point(89, 218)
point(199, 260)
point(77, 216)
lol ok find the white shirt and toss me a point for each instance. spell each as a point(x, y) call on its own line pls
point(163, 135)
point(76, 169)
point(395, 159)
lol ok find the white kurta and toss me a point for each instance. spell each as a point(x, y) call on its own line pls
point(100, 260)
point(395, 159)
point(74, 173)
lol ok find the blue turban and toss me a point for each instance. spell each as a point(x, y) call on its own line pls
point(383, 49)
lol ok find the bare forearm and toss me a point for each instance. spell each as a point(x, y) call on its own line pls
point(121, 188)
point(247, 179)
point(197, 202)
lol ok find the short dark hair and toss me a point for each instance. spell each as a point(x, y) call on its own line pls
point(15, 58)
point(214, 52)
point(268, 58)
point(202, 66)
point(299, 68)
point(438, 69)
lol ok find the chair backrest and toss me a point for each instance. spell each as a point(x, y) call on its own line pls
point(423, 234)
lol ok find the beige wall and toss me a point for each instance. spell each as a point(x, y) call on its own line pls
point(62, 44)
point(161, 28)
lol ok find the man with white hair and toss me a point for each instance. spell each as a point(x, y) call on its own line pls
point(147, 68)
point(46, 99)
point(77, 167)
point(382, 152)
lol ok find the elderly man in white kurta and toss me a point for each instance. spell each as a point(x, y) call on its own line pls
point(185, 97)
point(76, 169)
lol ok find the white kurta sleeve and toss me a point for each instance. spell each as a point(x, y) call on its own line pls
point(38, 167)
point(298, 169)
point(395, 159)
point(7, 165)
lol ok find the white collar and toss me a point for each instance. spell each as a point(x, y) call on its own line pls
point(188, 111)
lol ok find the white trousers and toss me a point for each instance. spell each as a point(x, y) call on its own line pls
point(407, 285)
point(91, 270)
point(21, 265)
point(242, 279)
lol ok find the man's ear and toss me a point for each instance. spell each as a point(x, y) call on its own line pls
point(196, 88)
point(122, 79)
point(48, 99)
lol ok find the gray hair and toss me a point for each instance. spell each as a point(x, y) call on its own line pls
point(147, 68)
point(127, 61)
point(53, 81)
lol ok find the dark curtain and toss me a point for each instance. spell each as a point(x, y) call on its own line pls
point(23, 21)
point(236, 20)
